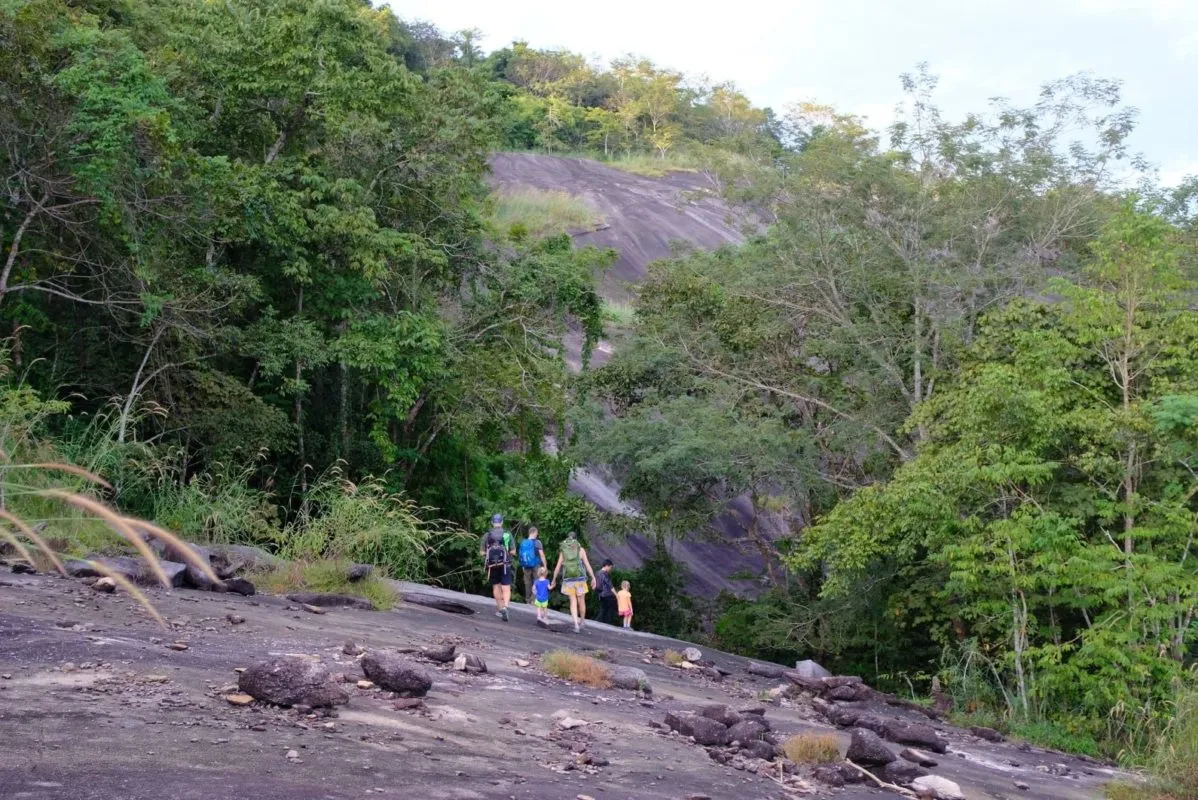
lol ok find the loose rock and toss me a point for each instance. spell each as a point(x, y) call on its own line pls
point(866, 748)
point(937, 788)
point(692, 654)
point(764, 670)
point(442, 654)
point(914, 734)
point(396, 674)
point(105, 585)
point(989, 734)
point(311, 609)
point(291, 681)
point(239, 699)
point(352, 649)
point(235, 619)
point(917, 757)
point(631, 678)
point(468, 662)
point(811, 670)
point(570, 723)
point(240, 586)
point(901, 772)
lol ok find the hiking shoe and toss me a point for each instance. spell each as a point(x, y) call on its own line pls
point(578, 629)
point(503, 615)
point(499, 614)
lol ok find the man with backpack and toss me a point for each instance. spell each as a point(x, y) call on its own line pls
point(573, 566)
point(532, 557)
point(497, 549)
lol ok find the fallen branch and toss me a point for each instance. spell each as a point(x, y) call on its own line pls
point(881, 783)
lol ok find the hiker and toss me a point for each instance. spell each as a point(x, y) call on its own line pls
point(573, 566)
point(541, 595)
point(497, 549)
point(532, 560)
point(607, 594)
point(624, 601)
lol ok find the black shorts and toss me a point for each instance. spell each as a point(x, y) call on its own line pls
point(499, 576)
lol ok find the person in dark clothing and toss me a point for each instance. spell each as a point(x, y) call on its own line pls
point(607, 594)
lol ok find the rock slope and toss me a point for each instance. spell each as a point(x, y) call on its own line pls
point(97, 701)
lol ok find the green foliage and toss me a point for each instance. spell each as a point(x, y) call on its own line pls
point(327, 575)
point(536, 213)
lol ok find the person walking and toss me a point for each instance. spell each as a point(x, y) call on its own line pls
point(497, 548)
point(532, 559)
point(607, 594)
point(573, 566)
point(541, 595)
point(624, 601)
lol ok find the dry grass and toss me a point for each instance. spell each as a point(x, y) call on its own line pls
point(812, 748)
point(536, 213)
point(577, 668)
point(674, 658)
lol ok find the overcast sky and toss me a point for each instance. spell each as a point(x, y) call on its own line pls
point(849, 53)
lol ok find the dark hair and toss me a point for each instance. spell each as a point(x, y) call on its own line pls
point(607, 562)
point(572, 535)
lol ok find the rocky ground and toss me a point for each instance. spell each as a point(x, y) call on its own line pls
point(98, 701)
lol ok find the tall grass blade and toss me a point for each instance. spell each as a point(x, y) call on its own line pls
point(117, 523)
point(20, 525)
point(179, 546)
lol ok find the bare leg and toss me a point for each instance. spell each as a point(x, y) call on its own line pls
point(507, 596)
point(574, 609)
point(497, 593)
point(582, 607)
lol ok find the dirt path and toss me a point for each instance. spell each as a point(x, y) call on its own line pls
point(94, 704)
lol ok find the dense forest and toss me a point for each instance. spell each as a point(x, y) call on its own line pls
point(251, 273)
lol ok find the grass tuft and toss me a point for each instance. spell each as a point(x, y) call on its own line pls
point(674, 658)
point(812, 748)
point(537, 213)
point(577, 668)
point(326, 575)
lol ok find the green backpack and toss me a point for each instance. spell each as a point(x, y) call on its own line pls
point(572, 559)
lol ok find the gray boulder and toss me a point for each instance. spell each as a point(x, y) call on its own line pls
point(442, 654)
point(937, 788)
point(829, 776)
point(922, 736)
point(396, 674)
point(748, 730)
point(240, 586)
point(468, 662)
point(811, 670)
point(708, 732)
point(843, 716)
point(721, 714)
point(867, 749)
point(630, 678)
point(192, 576)
point(292, 681)
point(764, 670)
point(358, 572)
point(901, 772)
point(759, 749)
point(133, 569)
point(917, 757)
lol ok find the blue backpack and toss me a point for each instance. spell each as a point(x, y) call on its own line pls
point(528, 554)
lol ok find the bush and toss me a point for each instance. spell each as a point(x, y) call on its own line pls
point(577, 668)
point(812, 748)
point(326, 576)
point(674, 658)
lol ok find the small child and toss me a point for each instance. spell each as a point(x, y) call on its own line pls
point(541, 590)
point(624, 602)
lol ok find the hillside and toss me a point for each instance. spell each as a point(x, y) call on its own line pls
point(107, 705)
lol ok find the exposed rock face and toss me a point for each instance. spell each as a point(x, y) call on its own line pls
point(631, 678)
point(867, 749)
point(292, 681)
point(396, 674)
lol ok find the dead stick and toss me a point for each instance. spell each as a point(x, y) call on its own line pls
point(883, 784)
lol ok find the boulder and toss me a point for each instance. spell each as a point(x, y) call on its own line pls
point(867, 749)
point(708, 732)
point(811, 670)
point(759, 749)
point(842, 716)
point(922, 736)
point(692, 654)
point(630, 678)
point(938, 788)
point(748, 730)
point(721, 714)
point(133, 569)
point(848, 692)
point(873, 723)
point(358, 572)
point(192, 577)
point(292, 681)
point(989, 734)
point(901, 772)
point(442, 654)
point(829, 776)
point(764, 670)
point(240, 586)
point(396, 674)
point(325, 600)
point(468, 662)
point(917, 757)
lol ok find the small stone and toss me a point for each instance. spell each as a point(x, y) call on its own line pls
point(351, 648)
point(311, 609)
point(6, 676)
point(570, 723)
point(1021, 786)
point(180, 646)
point(468, 662)
point(917, 757)
point(239, 699)
point(583, 797)
point(235, 619)
point(522, 663)
point(155, 679)
point(989, 734)
point(692, 654)
point(292, 755)
point(365, 684)
point(938, 788)
point(407, 703)
point(105, 585)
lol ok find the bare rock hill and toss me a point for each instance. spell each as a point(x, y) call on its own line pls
point(97, 702)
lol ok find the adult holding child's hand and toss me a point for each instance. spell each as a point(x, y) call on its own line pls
point(574, 567)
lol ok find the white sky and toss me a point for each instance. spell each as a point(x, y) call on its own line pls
point(849, 53)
